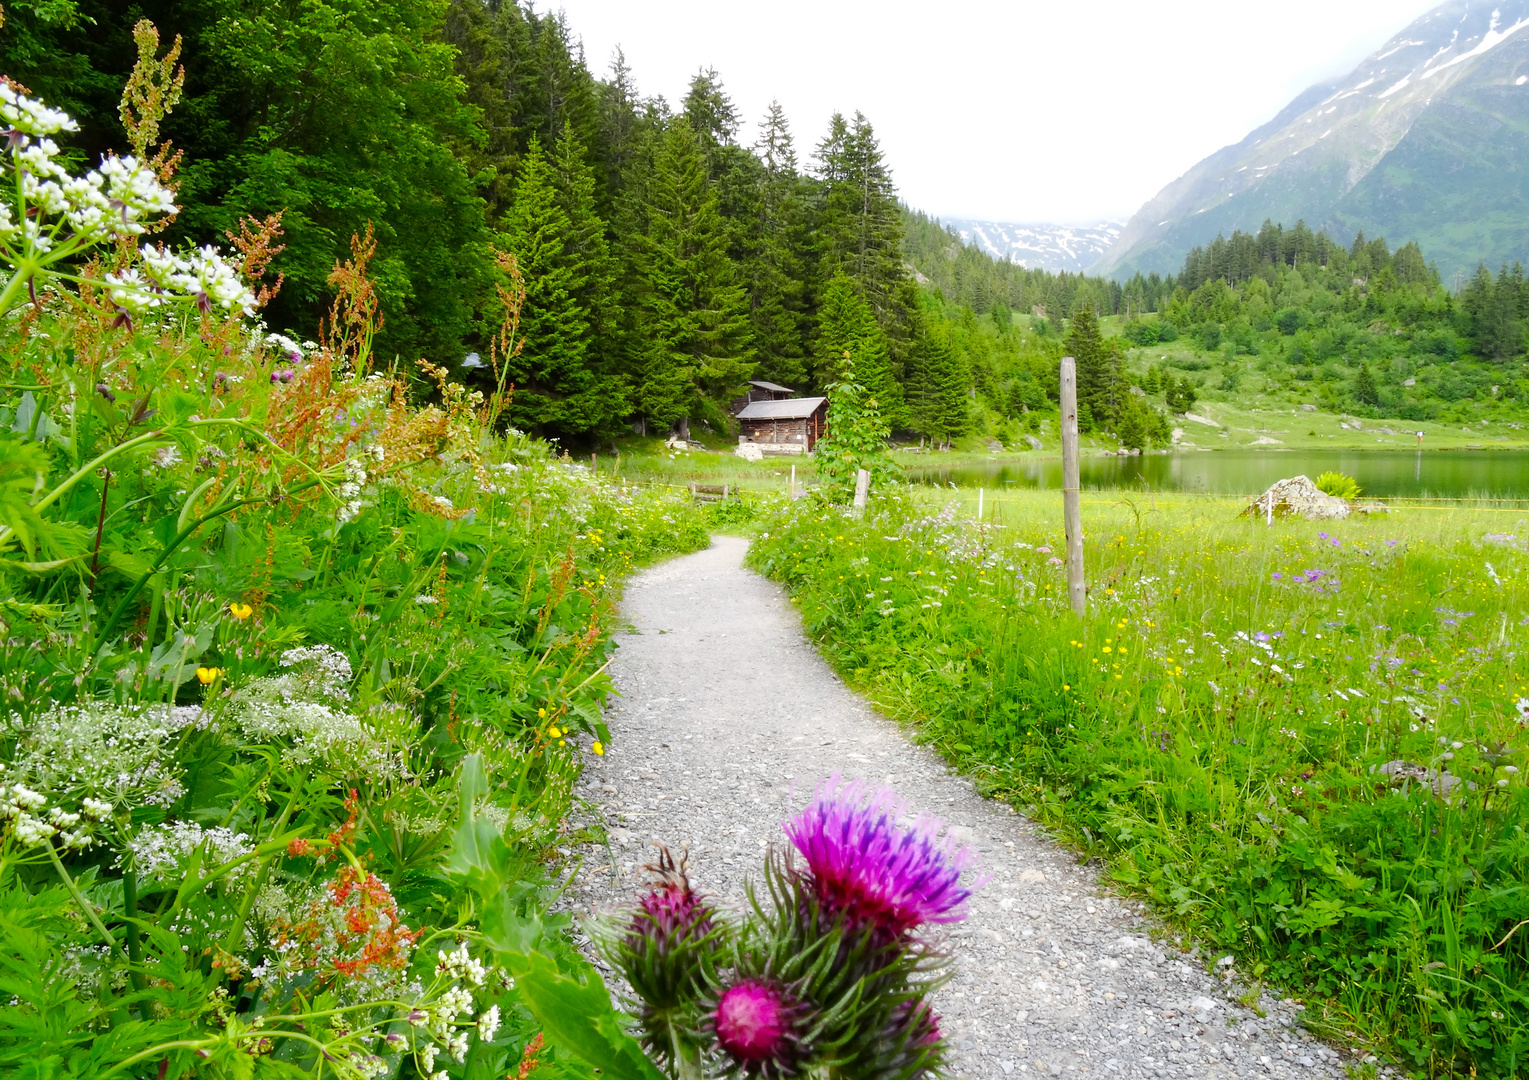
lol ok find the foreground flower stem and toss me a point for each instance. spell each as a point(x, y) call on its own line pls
point(79, 898)
point(685, 1067)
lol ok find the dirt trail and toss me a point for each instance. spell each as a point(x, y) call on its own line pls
point(728, 719)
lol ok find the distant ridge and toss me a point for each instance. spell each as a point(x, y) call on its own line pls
point(1073, 248)
point(1427, 140)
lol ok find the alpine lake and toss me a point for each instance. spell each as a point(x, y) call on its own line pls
point(1397, 474)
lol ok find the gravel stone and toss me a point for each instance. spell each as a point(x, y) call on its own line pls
point(726, 721)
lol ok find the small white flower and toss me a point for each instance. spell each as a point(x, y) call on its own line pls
point(30, 116)
point(488, 1023)
point(30, 831)
point(168, 457)
point(95, 809)
point(289, 348)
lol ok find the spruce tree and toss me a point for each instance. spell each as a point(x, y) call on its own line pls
point(860, 229)
point(697, 353)
point(847, 329)
point(777, 270)
point(1101, 374)
point(711, 114)
point(586, 244)
point(1365, 390)
point(554, 390)
point(950, 378)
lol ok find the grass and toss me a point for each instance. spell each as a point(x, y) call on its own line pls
point(646, 460)
point(1215, 727)
point(1269, 403)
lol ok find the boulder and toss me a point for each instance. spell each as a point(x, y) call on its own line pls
point(1035, 444)
point(1298, 496)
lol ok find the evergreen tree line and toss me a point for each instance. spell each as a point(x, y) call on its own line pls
point(963, 273)
point(664, 262)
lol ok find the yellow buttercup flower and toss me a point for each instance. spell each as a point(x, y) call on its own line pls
point(240, 611)
point(553, 732)
point(541, 714)
point(206, 675)
point(598, 747)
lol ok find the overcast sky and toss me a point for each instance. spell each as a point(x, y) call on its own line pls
point(1025, 110)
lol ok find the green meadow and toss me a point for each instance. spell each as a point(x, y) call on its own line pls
point(1301, 742)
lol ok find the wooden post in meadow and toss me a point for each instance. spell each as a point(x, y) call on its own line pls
point(793, 480)
point(1072, 515)
point(862, 489)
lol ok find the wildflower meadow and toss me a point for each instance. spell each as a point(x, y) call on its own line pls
point(299, 658)
point(1303, 742)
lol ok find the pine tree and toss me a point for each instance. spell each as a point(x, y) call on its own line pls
point(698, 353)
point(554, 390)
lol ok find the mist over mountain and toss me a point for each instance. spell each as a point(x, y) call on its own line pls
point(1073, 248)
point(1426, 140)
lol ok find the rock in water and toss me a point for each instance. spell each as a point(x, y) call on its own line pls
point(1298, 495)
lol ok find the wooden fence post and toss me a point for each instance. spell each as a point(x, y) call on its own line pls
point(980, 493)
point(793, 480)
point(862, 489)
point(1072, 515)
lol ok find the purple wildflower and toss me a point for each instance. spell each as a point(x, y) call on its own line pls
point(872, 870)
point(1278, 575)
point(756, 1022)
point(1261, 636)
point(671, 912)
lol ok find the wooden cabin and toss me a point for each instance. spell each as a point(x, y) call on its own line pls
point(761, 391)
point(793, 425)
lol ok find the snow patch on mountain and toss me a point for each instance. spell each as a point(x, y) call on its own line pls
point(1034, 246)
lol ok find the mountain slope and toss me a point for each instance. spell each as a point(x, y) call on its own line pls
point(1073, 248)
point(1427, 140)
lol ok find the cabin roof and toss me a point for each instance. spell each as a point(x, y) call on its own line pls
point(790, 409)
point(773, 387)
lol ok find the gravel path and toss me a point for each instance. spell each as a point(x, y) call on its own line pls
point(728, 719)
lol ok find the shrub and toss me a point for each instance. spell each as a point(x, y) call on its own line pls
point(1336, 483)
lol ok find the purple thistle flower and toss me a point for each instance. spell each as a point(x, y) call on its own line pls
point(755, 1022)
point(867, 867)
point(670, 912)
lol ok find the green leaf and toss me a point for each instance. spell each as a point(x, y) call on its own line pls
point(576, 1014)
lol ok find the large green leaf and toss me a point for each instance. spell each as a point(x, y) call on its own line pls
point(576, 1015)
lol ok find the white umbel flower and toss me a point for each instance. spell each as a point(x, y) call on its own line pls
point(28, 116)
